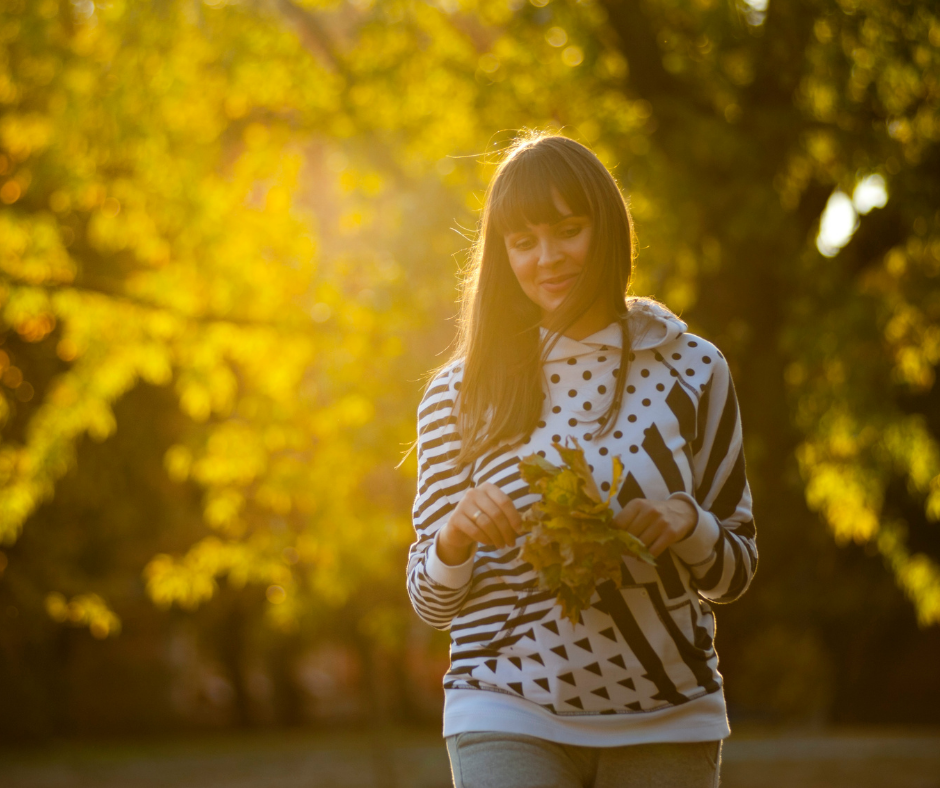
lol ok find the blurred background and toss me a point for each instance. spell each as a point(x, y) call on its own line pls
point(231, 238)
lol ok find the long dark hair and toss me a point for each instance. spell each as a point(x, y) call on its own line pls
point(499, 342)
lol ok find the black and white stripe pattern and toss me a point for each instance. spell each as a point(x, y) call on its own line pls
point(440, 488)
point(646, 643)
point(722, 491)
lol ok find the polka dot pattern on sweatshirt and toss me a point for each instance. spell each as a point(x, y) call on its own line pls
point(581, 389)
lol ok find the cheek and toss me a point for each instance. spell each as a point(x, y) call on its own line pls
point(522, 268)
point(584, 249)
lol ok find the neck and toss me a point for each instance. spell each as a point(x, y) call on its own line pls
point(597, 317)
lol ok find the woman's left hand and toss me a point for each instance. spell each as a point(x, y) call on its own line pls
point(658, 524)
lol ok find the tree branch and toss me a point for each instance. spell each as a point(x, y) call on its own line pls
point(311, 34)
point(648, 77)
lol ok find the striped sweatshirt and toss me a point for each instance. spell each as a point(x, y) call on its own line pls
point(640, 663)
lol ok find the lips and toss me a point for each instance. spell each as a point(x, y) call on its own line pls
point(558, 282)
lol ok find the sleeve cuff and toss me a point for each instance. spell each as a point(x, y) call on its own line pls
point(699, 544)
point(446, 575)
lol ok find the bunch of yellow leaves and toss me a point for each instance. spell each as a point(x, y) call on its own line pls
point(570, 536)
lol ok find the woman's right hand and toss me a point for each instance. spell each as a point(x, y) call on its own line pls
point(486, 515)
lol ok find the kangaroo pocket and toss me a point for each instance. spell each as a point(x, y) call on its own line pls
point(693, 637)
point(517, 636)
point(506, 587)
point(686, 643)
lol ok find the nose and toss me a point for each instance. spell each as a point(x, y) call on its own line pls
point(550, 251)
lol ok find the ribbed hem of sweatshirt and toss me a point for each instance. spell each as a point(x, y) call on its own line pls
point(702, 719)
point(698, 546)
point(456, 576)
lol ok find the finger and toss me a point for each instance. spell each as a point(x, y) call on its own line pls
point(479, 533)
point(494, 519)
point(474, 508)
point(654, 531)
point(643, 516)
point(505, 503)
point(659, 545)
point(626, 516)
point(503, 511)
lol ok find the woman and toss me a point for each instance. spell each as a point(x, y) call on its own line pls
point(550, 346)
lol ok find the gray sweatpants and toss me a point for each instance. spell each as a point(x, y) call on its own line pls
point(484, 759)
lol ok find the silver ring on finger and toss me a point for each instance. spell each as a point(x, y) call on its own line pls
point(476, 514)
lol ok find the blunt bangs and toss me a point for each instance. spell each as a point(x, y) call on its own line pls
point(525, 196)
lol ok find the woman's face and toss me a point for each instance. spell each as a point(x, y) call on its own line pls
point(547, 258)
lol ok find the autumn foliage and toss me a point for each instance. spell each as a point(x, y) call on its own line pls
point(242, 225)
point(570, 536)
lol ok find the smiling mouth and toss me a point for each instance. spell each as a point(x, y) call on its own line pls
point(558, 279)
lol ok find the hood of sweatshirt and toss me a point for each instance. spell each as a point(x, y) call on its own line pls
point(651, 325)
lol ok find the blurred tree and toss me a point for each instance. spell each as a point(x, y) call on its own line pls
point(150, 234)
point(250, 203)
